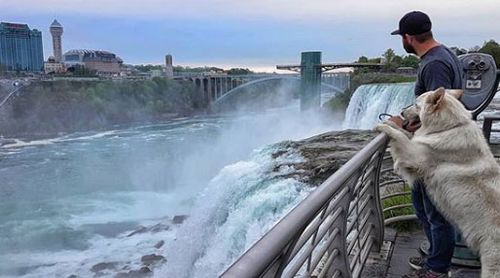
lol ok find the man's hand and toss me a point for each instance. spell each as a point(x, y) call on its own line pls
point(397, 120)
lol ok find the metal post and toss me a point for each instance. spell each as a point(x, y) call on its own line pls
point(310, 85)
point(341, 262)
point(377, 218)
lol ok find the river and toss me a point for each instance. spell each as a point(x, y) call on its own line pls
point(70, 203)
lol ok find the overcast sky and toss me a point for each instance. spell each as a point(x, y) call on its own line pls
point(248, 33)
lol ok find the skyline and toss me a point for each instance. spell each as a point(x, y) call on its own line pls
point(256, 35)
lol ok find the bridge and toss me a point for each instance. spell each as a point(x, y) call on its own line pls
point(311, 73)
point(213, 87)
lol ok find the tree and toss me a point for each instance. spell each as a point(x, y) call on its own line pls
point(410, 61)
point(493, 48)
point(363, 59)
point(392, 61)
point(237, 71)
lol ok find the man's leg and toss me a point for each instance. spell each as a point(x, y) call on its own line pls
point(417, 196)
point(442, 237)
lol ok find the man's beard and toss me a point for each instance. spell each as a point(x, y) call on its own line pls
point(409, 48)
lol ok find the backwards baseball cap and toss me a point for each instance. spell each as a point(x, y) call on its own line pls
point(413, 23)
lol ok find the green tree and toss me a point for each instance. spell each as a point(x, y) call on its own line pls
point(493, 48)
point(410, 61)
point(238, 71)
point(392, 61)
point(363, 59)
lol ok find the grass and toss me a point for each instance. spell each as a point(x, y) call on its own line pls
point(400, 200)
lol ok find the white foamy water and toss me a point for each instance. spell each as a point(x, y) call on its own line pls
point(369, 101)
point(69, 203)
point(254, 198)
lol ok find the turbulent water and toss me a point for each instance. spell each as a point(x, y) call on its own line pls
point(70, 203)
point(368, 101)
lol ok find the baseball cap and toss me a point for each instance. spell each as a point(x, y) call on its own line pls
point(413, 23)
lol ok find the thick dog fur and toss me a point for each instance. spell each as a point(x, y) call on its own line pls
point(461, 175)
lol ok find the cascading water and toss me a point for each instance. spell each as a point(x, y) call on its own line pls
point(75, 205)
point(70, 204)
point(369, 101)
point(239, 205)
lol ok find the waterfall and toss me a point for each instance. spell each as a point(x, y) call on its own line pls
point(368, 101)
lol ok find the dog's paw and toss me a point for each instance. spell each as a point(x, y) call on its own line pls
point(392, 124)
point(383, 127)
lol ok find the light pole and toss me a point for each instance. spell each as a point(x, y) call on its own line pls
point(18, 85)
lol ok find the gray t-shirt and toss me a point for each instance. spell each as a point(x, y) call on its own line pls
point(439, 67)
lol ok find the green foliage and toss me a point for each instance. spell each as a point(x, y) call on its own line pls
point(493, 48)
point(147, 68)
point(238, 71)
point(197, 69)
point(363, 59)
point(411, 61)
point(64, 106)
point(389, 57)
point(400, 200)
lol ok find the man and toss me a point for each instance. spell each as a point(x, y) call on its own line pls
point(439, 67)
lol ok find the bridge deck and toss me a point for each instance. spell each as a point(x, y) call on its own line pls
point(392, 261)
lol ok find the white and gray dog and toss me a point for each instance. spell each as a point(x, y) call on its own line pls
point(461, 175)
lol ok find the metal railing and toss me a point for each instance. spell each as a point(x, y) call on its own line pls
point(331, 232)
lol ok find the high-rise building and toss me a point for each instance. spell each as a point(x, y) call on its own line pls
point(169, 68)
point(56, 30)
point(21, 49)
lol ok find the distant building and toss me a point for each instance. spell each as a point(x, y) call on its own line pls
point(56, 30)
point(103, 62)
point(21, 49)
point(51, 66)
point(169, 68)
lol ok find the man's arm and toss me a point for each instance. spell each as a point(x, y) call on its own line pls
point(437, 74)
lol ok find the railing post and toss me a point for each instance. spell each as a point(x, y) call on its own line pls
point(377, 218)
point(341, 262)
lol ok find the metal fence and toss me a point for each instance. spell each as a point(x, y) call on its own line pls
point(331, 232)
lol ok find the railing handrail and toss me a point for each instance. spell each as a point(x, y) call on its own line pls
point(271, 246)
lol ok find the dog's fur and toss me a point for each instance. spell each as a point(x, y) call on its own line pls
point(460, 173)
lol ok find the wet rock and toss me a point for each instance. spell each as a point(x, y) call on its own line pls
point(139, 230)
point(142, 272)
point(179, 219)
point(160, 227)
point(159, 244)
point(103, 266)
point(72, 276)
point(324, 154)
point(151, 259)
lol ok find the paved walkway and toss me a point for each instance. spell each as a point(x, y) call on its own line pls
point(392, 261)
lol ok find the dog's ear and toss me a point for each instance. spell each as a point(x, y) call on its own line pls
point(456, 93)
point(435, 99)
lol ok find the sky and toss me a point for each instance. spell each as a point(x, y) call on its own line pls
point(253, 34)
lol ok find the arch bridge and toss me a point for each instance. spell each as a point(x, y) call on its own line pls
point(213, 87)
